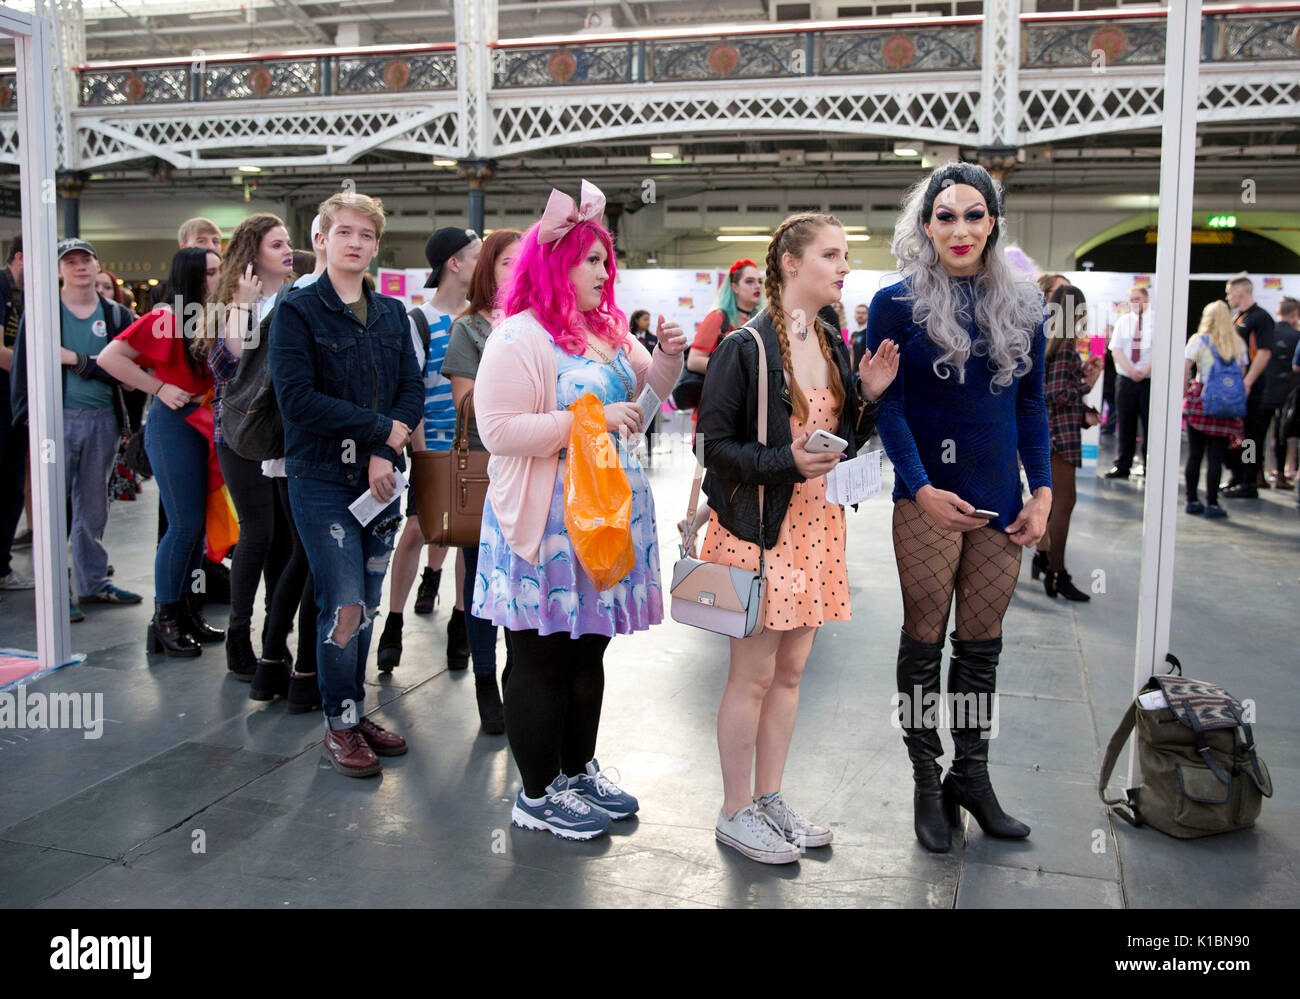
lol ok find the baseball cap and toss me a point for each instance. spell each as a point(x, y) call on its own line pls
point(315, 230)
point(442, 246)
point(67, 246)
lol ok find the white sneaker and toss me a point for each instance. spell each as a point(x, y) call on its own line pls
point(15, 580)
point(756, 836)
point(794, 827)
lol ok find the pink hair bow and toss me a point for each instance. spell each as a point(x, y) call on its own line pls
point(562, 214)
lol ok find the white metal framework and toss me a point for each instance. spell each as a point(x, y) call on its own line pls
point(1000, 66)
point(36, 160)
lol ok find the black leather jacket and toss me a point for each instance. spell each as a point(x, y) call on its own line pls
point(728, 429)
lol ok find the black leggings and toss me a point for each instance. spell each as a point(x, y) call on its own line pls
point(254, 497)
point(552, 703)
point(1213, 448)
point(288, 595)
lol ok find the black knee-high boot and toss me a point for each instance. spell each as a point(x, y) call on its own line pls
point(918, 687)
point(972, 684)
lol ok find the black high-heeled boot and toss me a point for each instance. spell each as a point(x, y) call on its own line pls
point(491, 714)
point(389, 656)
point(1039, 565)
point(972, 684)
point(457, 641)
point(164, 634)
point(918, 686)
point(1066, 588)
point(192, 621)
point(1049, 583)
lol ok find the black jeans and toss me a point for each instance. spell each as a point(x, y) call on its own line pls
point(1247, 472)
point(290, 593)
point(254, 497)
point(1212, 447)
point(1279, 440)
point(1133, 403)
point(552, 701)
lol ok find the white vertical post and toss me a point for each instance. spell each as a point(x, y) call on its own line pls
point(36, 127)
point(1000, 73)
point(475, 28)
point(1169, 310)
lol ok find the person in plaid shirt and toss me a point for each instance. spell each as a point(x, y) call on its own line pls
point(1066, 381)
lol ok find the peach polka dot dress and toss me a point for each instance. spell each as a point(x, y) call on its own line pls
point(807, 580)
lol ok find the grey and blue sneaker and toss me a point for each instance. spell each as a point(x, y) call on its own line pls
point(562, 812)
point(793, 826)
point(598, 790)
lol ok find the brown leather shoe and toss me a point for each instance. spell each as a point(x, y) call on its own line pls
point(382, 741)
point(350, 754)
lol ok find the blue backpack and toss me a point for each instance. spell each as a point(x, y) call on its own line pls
point(1224, 392)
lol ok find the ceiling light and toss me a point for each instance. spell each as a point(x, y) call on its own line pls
point(744, 239)
point(857, 239)
point(153, 282)
point(902, 149)
point(742, 228)
point(248, 168)
point(665, 152)
point(444, 163)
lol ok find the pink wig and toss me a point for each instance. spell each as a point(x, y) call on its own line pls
point(539, 280)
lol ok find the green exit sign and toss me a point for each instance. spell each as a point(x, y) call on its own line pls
point(1222, 222)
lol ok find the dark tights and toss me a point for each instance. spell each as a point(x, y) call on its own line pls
point(290, 592)
point(1212, 448)
point(552, 701)
point(980, 566)
point(1058, 524)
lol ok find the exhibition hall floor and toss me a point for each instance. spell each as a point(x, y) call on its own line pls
point(195, 796)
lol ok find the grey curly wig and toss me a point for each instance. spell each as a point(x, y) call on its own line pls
point(1006, 310)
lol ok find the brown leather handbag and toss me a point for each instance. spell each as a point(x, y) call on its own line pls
point(450, 487)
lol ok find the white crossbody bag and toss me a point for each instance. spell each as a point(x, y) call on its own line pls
point(715, 597)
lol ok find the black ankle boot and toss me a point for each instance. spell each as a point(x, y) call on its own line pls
point(1039, 565)
point(270, 679)
point(1066, 588)
point(164, 634)
point(304, 693)
point(426, 597)
point(973, 670)
point(918, 686)
point(191, 619)
point(457, 641)
point(491, 714)
point(390, 643)
point(241, 660)
point(1049, 583)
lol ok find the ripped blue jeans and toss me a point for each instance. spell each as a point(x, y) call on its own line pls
point(348, 564)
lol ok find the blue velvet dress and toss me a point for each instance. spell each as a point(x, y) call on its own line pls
point(962, 437)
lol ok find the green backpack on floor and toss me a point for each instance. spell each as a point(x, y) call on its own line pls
point(1201, 774)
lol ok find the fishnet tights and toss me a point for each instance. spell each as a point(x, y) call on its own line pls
point(980, 565)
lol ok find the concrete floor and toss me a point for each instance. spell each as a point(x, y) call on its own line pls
point(197, 796)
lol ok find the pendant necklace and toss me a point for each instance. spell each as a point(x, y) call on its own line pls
point(803, 333)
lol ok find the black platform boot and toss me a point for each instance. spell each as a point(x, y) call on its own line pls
point(973, 670)
point(390, 643)
point(164, 634)
point(457, 641)
point(918, 686)
point(241, 660)
point(491, 714)
point(270, 679)
point(191, 619)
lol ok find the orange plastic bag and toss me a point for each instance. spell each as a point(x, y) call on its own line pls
point(597, 498)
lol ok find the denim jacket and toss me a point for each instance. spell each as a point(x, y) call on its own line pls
point(339, 385)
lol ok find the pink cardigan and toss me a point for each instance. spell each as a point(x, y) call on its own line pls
point(521, 425)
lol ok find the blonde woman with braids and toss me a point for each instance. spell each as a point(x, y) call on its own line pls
point(968, 398)
point(811, 386)
point(1208, 436)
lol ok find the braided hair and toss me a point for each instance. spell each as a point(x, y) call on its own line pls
point(793, 236)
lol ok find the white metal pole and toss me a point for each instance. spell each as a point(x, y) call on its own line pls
point(1169, 315)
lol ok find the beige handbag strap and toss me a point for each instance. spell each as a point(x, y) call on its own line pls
point(688, 542)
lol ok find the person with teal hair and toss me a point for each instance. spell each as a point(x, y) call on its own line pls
point(739, 298)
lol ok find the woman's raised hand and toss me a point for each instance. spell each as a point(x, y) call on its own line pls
point(877, 370)
point(250, 287)
point(671, 338)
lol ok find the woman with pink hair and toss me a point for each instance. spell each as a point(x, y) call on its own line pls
point(563, 337)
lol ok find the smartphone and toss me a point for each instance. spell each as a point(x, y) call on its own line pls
point(821, 441)
point(990, 514)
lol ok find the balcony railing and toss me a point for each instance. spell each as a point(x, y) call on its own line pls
point(1229, 34)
